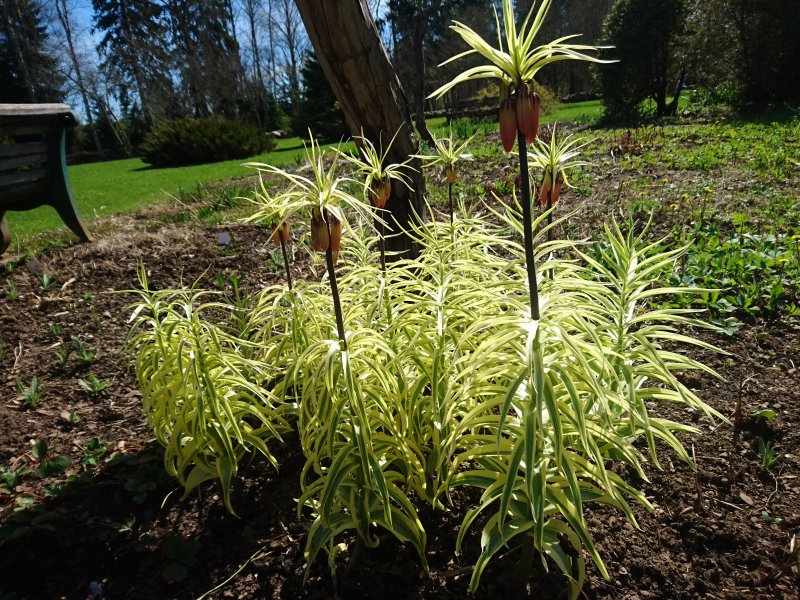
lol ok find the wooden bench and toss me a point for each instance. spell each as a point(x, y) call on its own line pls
point(33, 170)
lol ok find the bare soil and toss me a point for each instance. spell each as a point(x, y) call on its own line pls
point(120, 529)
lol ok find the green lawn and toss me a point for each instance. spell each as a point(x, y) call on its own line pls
point(108, 188)
point(576, 112)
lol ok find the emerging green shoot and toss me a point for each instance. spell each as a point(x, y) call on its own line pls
point(92, 385)
point(31, 394)
point(84, 354)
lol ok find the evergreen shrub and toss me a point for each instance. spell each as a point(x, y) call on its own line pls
point(198, 141)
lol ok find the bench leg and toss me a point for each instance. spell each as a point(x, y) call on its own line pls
point(59, 194)
point(69, 214)
point(5, 234)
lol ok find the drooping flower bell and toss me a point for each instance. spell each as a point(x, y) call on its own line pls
point(529, 105)
point(320, 239)
point(335, 228)
point(508, 120)
point(553, 191)
point(326, 233)
point(282, 231)
point(379, 191)
point(451, 174)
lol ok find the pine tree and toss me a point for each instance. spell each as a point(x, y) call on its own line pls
point(134, 45)
point(318, 108)
point(207, 56)
point(28, 73)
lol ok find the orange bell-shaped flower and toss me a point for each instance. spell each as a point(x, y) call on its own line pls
point(320, 239)
point(379, 191)
point(551, 190)
point(283, 230)
point(508, 123)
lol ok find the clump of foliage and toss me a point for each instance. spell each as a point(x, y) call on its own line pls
point(198, 141)
point(203, 397)
point(409, 382)
point(459, 367)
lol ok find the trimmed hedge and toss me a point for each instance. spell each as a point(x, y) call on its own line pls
point(198, 141)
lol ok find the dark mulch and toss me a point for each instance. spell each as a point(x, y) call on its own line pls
point(123, 530)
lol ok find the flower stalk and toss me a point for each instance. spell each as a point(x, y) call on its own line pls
point(527, 224)
point(337, 301)
point(285, 257)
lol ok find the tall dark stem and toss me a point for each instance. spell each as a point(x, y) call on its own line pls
point(527, 224)
point(337, 303)
point(549, 206)
point(382, 240)
point(450, 193)
point(285, 258)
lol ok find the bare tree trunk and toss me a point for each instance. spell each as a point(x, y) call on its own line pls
point(291, 33)
point(349, 49)
point(672, 108)
point(271, 36)
point(63, 17)
point(251, 8)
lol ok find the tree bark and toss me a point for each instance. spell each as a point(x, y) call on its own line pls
point(349, 49)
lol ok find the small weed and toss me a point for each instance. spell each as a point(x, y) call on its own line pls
point(764, 413)
point(63, 351)
point(769, 519)
point(53, 489)
point(48, 465)
point(11, 478)
point(32, 394)
point(766, 450)
point(55, 330)
point(180, 554)
point(93, 385)
point(46, 281)
point(86, 355)
point(94, 452)
point(97, 320)
point(2, 350)
point(12, 292)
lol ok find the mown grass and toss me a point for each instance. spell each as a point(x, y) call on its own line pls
point(120, 186)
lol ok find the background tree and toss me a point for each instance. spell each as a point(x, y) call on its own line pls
point(318, 108)
point(422, 40)
point(28, 71)
point(134, 47)
point(769, 41)
point(349, 49)
point(646, 37)
point(290, 45)
point(207, 56)
point(566, 17)
point(64, 17)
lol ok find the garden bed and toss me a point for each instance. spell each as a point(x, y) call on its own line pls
point(109, 522)
point(725, 533)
